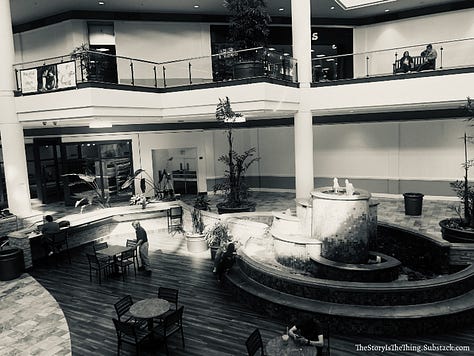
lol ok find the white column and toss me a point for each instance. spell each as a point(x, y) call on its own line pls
point(304, 154)
point(301, 30)
point(13, 143)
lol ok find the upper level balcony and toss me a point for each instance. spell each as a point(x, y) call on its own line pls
point(261, 82)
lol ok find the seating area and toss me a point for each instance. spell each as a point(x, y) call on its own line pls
point(215, 322)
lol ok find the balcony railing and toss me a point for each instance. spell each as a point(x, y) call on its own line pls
point(450, 55)
point(93, 66)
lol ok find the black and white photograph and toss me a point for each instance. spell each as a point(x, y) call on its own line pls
point(237, 177)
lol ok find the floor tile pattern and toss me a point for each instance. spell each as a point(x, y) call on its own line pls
point(31, 321)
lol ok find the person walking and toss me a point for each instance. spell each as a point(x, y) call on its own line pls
point(142, 242)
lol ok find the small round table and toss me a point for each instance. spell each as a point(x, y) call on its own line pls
point(149, 309)
point(278, 347)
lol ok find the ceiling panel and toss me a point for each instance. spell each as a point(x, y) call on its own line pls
point(24, 11)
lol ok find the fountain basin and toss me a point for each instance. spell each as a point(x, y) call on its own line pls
point(385, 271)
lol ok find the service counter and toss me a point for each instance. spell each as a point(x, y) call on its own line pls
point(88, 227)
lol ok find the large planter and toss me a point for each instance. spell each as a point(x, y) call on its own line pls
point(413, 203)
point(455, 235)
point(12, 264)
point(248, 69)
point(196, 243)
point(222, 209)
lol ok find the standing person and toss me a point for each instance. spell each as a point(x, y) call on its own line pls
point(48, 230)
point(308, 331)
point(142, 242)
point(429, 58)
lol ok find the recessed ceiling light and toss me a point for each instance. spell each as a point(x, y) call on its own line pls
point(387, 10)
point(101, 2)
point(196, 6)
point(271, 49)
point(332, 7)
point(281, 9)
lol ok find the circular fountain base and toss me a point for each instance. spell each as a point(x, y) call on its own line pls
point(386, 270)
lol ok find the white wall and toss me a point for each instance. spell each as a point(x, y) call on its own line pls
point(159, 42)
point(49, 41)
point(413, 34)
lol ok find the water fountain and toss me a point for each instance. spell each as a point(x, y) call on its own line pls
point(334, 260)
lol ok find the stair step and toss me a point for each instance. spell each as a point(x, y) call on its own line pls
point(446, 307)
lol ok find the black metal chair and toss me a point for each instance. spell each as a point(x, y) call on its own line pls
point(171, 325)
point(171, 295)
point(133, 243)
point(99, 266)
point(175, 219)
point(129, 333)
point(122, 307)
point(101, 246)
point(59, 244)
point(254, 343)
point(126, 259)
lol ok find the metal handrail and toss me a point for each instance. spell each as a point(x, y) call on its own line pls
point(390, 49)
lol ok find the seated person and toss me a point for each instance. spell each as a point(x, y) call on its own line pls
point(406, 63)
point(224, 260)
point(429, 58)
point(308, 331)
point(48, 229)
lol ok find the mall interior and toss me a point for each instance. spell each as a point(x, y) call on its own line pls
point(106, 88)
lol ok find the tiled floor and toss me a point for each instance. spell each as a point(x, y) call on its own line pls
point(31, 321)
point(31, 334)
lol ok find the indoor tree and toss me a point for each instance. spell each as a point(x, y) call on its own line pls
point(233, 185)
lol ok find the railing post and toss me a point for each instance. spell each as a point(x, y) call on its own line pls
point(156, 81)
point(131, 70)
point(17, 81)
point(367, 66)
point(164, 77)
point(189, 72)
point(296, 72)
point(441, 59)
point(82, 69)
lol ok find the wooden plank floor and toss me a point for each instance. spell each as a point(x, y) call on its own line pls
point(215, 323)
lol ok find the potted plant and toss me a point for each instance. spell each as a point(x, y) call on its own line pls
point(234, 186)
point(461, 229)
point(248, 28)
point(95, 195)
point(217, 236)
point(195, 240)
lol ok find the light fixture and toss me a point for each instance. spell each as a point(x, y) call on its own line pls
point(271, 49)
point(387, 10)
point(235, 119)
point(100, 124)
point(356, 4)
point(102, 49)
point(286, 54)
point(196, 6)
point(101, 3)
point(320, 55)
point(281, 9)
point(333, 7)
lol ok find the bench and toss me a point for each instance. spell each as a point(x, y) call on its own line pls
point(417, 61)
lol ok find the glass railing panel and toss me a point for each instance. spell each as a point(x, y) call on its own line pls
point(450, 54)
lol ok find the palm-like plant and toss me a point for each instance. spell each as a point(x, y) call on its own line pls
point(93, 196)
point(144, 178)
point(234, 185)
point(465, 190)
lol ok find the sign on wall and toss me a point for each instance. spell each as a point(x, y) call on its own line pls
point(48, 77)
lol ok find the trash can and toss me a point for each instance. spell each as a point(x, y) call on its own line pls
point(413, 203)
point(12, 264)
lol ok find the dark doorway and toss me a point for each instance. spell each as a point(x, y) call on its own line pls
point(47, 154)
